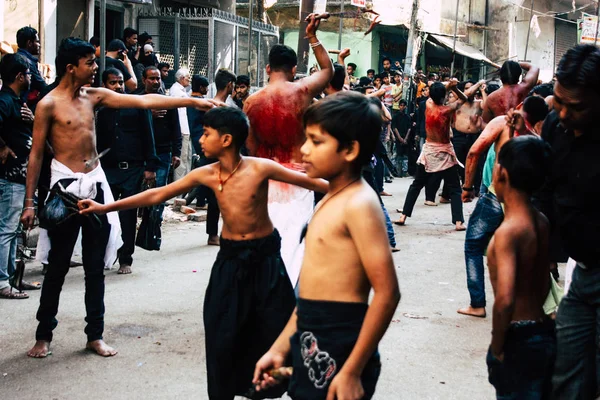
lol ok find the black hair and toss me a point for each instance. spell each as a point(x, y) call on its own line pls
point(129, 32)
point(162, 65)
point(12, 65)
point(536, 109)
point(527, 160)
point(491, 88)
point(349, 117)
point(544, 90)
point(116, 45)
point(432, 75)
point(70, 51)
point(510, 72)
point(223, 77)
point(228, 120)
point(386, 59)
point(401, 102)
point(437, 93)
point(110, 71)
point(365, 81)
point(445, 75)
point(339, 76)
point(353, 66)
point(370, 70)
point(143, 38)
point(243, 80)
point(282, 58)
point(198, 81)
point(384, 75)
point(24, 35)
point(579, 67)
point(150, 68)
point(95, 41)
point(461, 85)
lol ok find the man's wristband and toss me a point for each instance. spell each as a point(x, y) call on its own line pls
point(468, 189)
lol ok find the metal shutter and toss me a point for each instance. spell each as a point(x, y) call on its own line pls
point(565, 38)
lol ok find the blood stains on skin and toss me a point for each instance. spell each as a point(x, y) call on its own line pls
point(437, 120)
point(276, 124)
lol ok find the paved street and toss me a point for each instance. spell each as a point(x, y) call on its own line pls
point(154, 319)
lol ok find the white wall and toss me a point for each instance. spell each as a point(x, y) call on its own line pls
point(48, 35)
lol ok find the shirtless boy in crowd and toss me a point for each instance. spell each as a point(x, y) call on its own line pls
point(242, 316)
point(521, 355)
point(335, 331)
point(65, 117)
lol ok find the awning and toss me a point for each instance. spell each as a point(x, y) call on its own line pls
point(461, 48)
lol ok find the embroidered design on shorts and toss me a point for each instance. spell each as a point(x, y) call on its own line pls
point(321, 366)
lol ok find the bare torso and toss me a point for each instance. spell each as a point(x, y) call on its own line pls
point(243, 201)
point(437, 122)
point(467, 118)
point(331, 268)
point(72, 130)
point(275, 115)
point(532, 278)
point(505, 98)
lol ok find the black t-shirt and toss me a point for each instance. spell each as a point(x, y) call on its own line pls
point(16, 133)
point(113, 63)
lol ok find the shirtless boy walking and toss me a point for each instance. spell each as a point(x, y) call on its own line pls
point(335, 331)
point(521, 355)
point(65, 117)
point(249, 298)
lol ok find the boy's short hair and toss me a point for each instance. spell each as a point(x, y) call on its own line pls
point(282, 58)
point(536, 109)
point(349, 117)
point(365, 81)
point(143, 38)
point(370, 70)
point(510, 72)
point(223, 77)
point(461, 85)
point(353, 66)
point(162, 65)
point(228, 120)
point(25, 34)
point(95, 41)
point(243, 80)
point(70, 51)
point(402, 102)
point(12, 65)
point(339, 76)
point(110, 71)
point(544, 90)
point(129, 32)
point(527, 161)
point(437, 93)
point(491, 88)
point(198, 81)
point(116, 45)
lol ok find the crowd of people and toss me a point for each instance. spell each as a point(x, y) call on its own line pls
point(289, 167)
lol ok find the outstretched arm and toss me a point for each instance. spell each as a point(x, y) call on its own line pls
point(277, 172)
point(318, 81)
point(110, 99)
point(149, 197)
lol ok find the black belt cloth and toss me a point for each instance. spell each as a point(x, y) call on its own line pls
point(326, 335)
point(248, 302)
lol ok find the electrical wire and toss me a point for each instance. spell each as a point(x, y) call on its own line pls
point(553, 14)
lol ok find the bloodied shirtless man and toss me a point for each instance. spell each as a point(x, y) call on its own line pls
point(437, 159)
point(276, 132)
point(512, 93)
point(65, 118)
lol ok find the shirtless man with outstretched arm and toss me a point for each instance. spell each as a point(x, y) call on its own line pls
point(512, 93)
point(65, 118)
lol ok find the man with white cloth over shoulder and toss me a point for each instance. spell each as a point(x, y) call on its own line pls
point(65, 118)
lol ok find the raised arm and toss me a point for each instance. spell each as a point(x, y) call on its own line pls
point(279, 173)
point(41, 127)
point(487, 138)
point(531, 77)
point(470, 92)
point(131, 84)
point(369, 235)
point(318, 81)
point(342, 61)
point(149, 197)
point(108, 98)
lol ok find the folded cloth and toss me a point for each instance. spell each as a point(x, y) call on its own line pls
point(84, 186)
point(289, 208)
point(436, 157)
point(326, 335)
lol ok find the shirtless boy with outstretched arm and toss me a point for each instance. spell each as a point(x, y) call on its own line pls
point(335, 331)
point(521, 355)
point(249, 298)
point(65, 118)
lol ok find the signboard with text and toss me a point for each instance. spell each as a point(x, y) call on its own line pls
point(586, 30)
point(359, 3)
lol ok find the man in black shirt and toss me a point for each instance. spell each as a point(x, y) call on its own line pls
point(130, 38)
point(132, 158)
point(569, 199)
point(167, 132)
point(15, 144)
point(29, 47)
point(401, 129)
point(116, 57)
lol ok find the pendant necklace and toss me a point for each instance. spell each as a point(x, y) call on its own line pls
point(222, 182)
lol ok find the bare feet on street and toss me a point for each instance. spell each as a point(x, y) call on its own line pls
point(460, 227)
point(41, 349)
point(473, 312)
point(213, 240)
point(401, 220)
point(124, 269)
point(101, 348)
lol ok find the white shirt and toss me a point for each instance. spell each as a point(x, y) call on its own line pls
point(177, 90)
